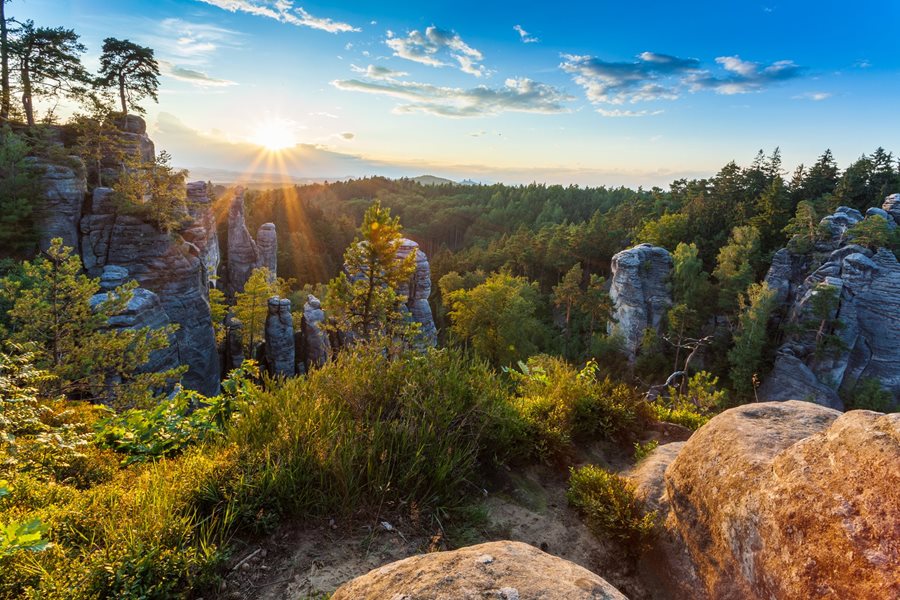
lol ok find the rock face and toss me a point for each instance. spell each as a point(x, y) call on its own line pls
point(787, 500)
point(202, 233)
point(315, 346)
point(417, 291)
point(280, 338)
point(867, 286)
point(143, 310)
point(244, 253)
point(174, 271)
point(640, 293)
point(501, 570)
point(59, 215)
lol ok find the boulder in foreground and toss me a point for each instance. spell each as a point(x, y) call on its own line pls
point(501, 570)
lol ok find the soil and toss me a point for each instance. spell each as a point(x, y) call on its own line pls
point(310, 561)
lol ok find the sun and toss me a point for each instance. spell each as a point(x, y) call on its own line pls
point(274, 135)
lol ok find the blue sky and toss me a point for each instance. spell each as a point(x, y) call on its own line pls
point(589, 93)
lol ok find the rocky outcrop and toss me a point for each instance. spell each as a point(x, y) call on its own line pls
point(244, 253)
point(417, 292)
point(267, 244)
point(143, 310)
point(891, 206)
point(501, 570)
point(59, 213)
point(280, 338)
point(173, 270)
point(640, 293)
point(785, 500)
point(202, 232)
point(866, 319)
point(315, 346)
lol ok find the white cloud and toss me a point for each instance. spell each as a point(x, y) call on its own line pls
point(526, 37)
point(378, 72)
point(517, 95)
point(814, 96)
point(652, 76)
point(742, 76)
point(284, 11)
point(191, 75)
point(437, 48)
point(617, 113)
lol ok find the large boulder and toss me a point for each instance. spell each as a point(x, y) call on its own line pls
point(640, 293)
point(58, 214)
point(501, 570)
point(202, 232)
point(786, 500)
point(891, 205)
point(280, 338)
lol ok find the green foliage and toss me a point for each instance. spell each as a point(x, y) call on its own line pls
point(51, 314)
point(612, 510)
point(363, 300)
point(693, 406)
point(746, 355)
point(870, 395)
point(568, 294)
point(642, 451)
point(153, 190)
point(187, 419)
point(18, 536)
point(252, 306)
point(19, 186)
point(873, 232)
point(559, 405)
point(668, 231)
point(218, 312)
point(131, 69)
point(735, 266)
point(803, 229)
point(498, 318)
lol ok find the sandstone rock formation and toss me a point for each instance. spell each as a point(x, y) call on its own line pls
point(280, 338)
point(315, 346)
point(173, 271)
point(202, 232)
point(143, 310)
point(640, 293)
point(785, 500)
point(417, 291)
point(267, 244)
point(59, 214)
point(244, 253)
point(867, 285)
point(500, 570)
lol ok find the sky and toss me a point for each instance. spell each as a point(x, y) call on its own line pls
point(587, 93)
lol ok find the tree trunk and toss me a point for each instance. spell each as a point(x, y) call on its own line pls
point(26, 94)
point(122, 94)
point(4, 67)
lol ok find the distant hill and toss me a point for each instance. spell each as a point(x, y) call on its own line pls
point(431, 180)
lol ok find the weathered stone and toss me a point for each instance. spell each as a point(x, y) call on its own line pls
point(173, 270)
point(113, 276)
point(58, 214)
point(243, 254)
point(789, 500)
point(892, 206)
point(315, 346)
point(202, 233)
point(640, 293)
point(502, 570)
point(791, 379)
point(417, 292)
point(280, 338)
point(880, 212)
point(267, 244)
point(143, 310)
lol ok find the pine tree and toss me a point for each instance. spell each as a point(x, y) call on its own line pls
point(568, 293)
point(252, 305)
point(48, 62)
point(52, 314)
point(363, 300)
point(132, 70)
point(746, 355)
point(735, 265)
point(19, 185)
point(596, 303)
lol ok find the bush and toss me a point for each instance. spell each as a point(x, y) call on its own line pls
point(610, 507)
point(869, 395)
point(559, 405)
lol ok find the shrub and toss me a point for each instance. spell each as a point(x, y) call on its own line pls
point(642, 451)
point(869, 395)
point(610, 507)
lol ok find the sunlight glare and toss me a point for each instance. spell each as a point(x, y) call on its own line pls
point(274, 135)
